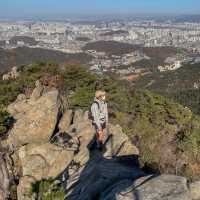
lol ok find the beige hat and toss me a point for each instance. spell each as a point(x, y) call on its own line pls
point(99, 93)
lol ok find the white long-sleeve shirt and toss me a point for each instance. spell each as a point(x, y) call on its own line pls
point(99, 111)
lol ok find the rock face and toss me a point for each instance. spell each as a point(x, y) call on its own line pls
point(4, 179)
point(65, 121)
point(37, 92)
point(36, 118)
point(44, 161)
point(13, 74)
point(119, 144)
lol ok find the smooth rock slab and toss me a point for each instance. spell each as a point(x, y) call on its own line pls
point(163, 187)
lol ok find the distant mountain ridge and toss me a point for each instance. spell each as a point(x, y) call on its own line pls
point(26, 55)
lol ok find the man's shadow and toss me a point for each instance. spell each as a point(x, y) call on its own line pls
point(100, 176)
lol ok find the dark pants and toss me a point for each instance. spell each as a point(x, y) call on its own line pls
point(100, 136)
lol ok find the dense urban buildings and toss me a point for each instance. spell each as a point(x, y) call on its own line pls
point(116, 46)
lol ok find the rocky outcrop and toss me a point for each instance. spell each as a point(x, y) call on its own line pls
point(118, 143)
point(44, 161)
point(13, 74)
point(71, 156)
point(36, 118)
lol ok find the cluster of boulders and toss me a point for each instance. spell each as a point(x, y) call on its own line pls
point(13, 74)
point(48, 140)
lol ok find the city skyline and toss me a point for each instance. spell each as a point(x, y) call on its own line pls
point(87, 8)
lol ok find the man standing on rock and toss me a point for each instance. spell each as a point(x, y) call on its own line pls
point(99, 114)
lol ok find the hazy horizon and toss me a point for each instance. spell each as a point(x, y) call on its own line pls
point(21, 9)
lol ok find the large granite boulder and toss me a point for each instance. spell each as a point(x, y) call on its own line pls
point(118, 143)
point(44, 161)
point(35, 119)
point(83, 132)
